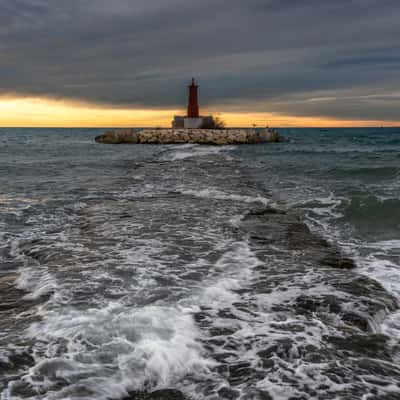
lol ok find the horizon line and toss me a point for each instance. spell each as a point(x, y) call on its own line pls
point(228, 127)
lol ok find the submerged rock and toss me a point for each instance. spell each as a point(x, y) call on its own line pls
point(200, 136)
point(164, 394)
point(335, 260)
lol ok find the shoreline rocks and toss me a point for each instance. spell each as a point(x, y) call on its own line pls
point(199, 136)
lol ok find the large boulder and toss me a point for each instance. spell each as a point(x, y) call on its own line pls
point(239, 136)
point(119, 136)
point(149, 136)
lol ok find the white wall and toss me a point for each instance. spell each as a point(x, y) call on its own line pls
point(193, 123)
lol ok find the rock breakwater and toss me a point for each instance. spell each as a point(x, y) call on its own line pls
point(200, 136)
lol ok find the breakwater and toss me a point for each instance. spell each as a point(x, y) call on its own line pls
point(199, 136)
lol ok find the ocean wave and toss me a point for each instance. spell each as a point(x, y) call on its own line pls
point(365, 211)
point(115, 350)
point(366, 172)
point(220, 195)
point(36, 281)
point(393, 244)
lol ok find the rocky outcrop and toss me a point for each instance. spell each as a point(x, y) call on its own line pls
point(200, 136)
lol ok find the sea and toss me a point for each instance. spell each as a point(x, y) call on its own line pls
point(171, 272)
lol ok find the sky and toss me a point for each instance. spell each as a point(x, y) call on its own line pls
point(266, 62)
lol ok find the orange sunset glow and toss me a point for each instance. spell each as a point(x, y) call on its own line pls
point(43, 112)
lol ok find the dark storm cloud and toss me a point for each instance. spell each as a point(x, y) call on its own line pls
point(264, 55)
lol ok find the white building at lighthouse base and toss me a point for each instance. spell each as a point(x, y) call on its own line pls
point(181, 122)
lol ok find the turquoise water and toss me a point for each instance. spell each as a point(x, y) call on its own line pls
point(128, 270)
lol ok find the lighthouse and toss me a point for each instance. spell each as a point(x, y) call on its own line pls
point(193, 104)
point(192, 120)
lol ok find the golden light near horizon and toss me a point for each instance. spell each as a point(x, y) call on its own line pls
point(291, 121)
point(45, 112)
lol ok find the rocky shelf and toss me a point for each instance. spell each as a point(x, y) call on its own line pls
point(200, 136)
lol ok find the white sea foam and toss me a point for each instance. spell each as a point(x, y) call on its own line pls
point(384, 245)
point(236, 268)
point(387, 273)
point(36, 281)
point(219, 195)
point(189, 151)
point(32, 277)
point(117, 349)
point(236, 220)
point(322, 207)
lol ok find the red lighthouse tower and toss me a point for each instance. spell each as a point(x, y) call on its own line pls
point(193, 106)
point(192, 120)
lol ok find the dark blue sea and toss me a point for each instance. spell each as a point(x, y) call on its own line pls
point(268, 271)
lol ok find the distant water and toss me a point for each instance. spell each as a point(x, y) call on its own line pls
point(197, 272)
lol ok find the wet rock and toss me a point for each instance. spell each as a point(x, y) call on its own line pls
point(363, 286)
point(200, 316)
point(374, 345)
point(240, 372)
point(356, 320)
point(268, 352)
point(165, 394)
point(378, 368)
point(23, 390)
point(266, 211)
point(228, 393)
point(336, 261)
point(306, 304)
point(372, 296)
point(282, 349)
point(15, 362)
point(221, 331)
point(264, 396)
point(299, 237)
point(222, 357)
point(267, 363)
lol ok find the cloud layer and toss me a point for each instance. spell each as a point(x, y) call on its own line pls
point(338, 59)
